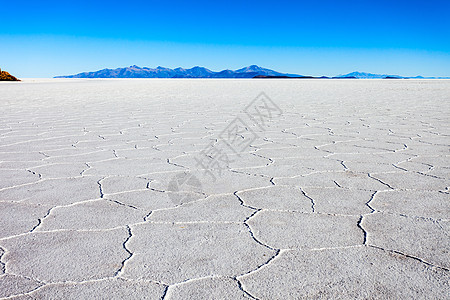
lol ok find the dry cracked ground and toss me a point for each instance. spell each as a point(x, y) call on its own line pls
point(343, 195)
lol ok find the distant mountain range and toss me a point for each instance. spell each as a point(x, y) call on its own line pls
point(363, 75)
point(252, 71)
point(195, 72)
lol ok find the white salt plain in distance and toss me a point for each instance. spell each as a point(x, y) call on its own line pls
point(337, 189)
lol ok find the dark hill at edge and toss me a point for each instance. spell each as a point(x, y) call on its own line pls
point(5, 76)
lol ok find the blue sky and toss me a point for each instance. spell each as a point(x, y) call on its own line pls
point(49, 38)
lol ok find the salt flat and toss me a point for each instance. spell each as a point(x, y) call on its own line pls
point(208, 189)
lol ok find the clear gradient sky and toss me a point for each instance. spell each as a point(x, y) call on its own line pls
point(49, 38)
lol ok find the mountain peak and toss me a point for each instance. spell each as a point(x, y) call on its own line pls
point(252, 68)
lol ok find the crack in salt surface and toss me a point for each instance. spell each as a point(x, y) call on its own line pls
point(276, 251)
point(73, 283)
point(337, 184)
point(410, 256)
point(370, 200)
point(121, 204)
point(313, 204)
point(253, 235)
point(41, 219)
point(84, 170)
point(148, 216)
point(13, 296)
point(130, 254)
point(99, 182)
point(380, 181)
point(35, 173)
point(2, 264)
point(271, 161)
point(166, 289)
point(242, 203)
point(241, 287)
point(359, 224)
point(64, 230)
point(400, 168)
point(237, 278)
point(176, 165)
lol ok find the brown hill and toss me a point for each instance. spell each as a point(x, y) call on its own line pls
point(5, 76)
